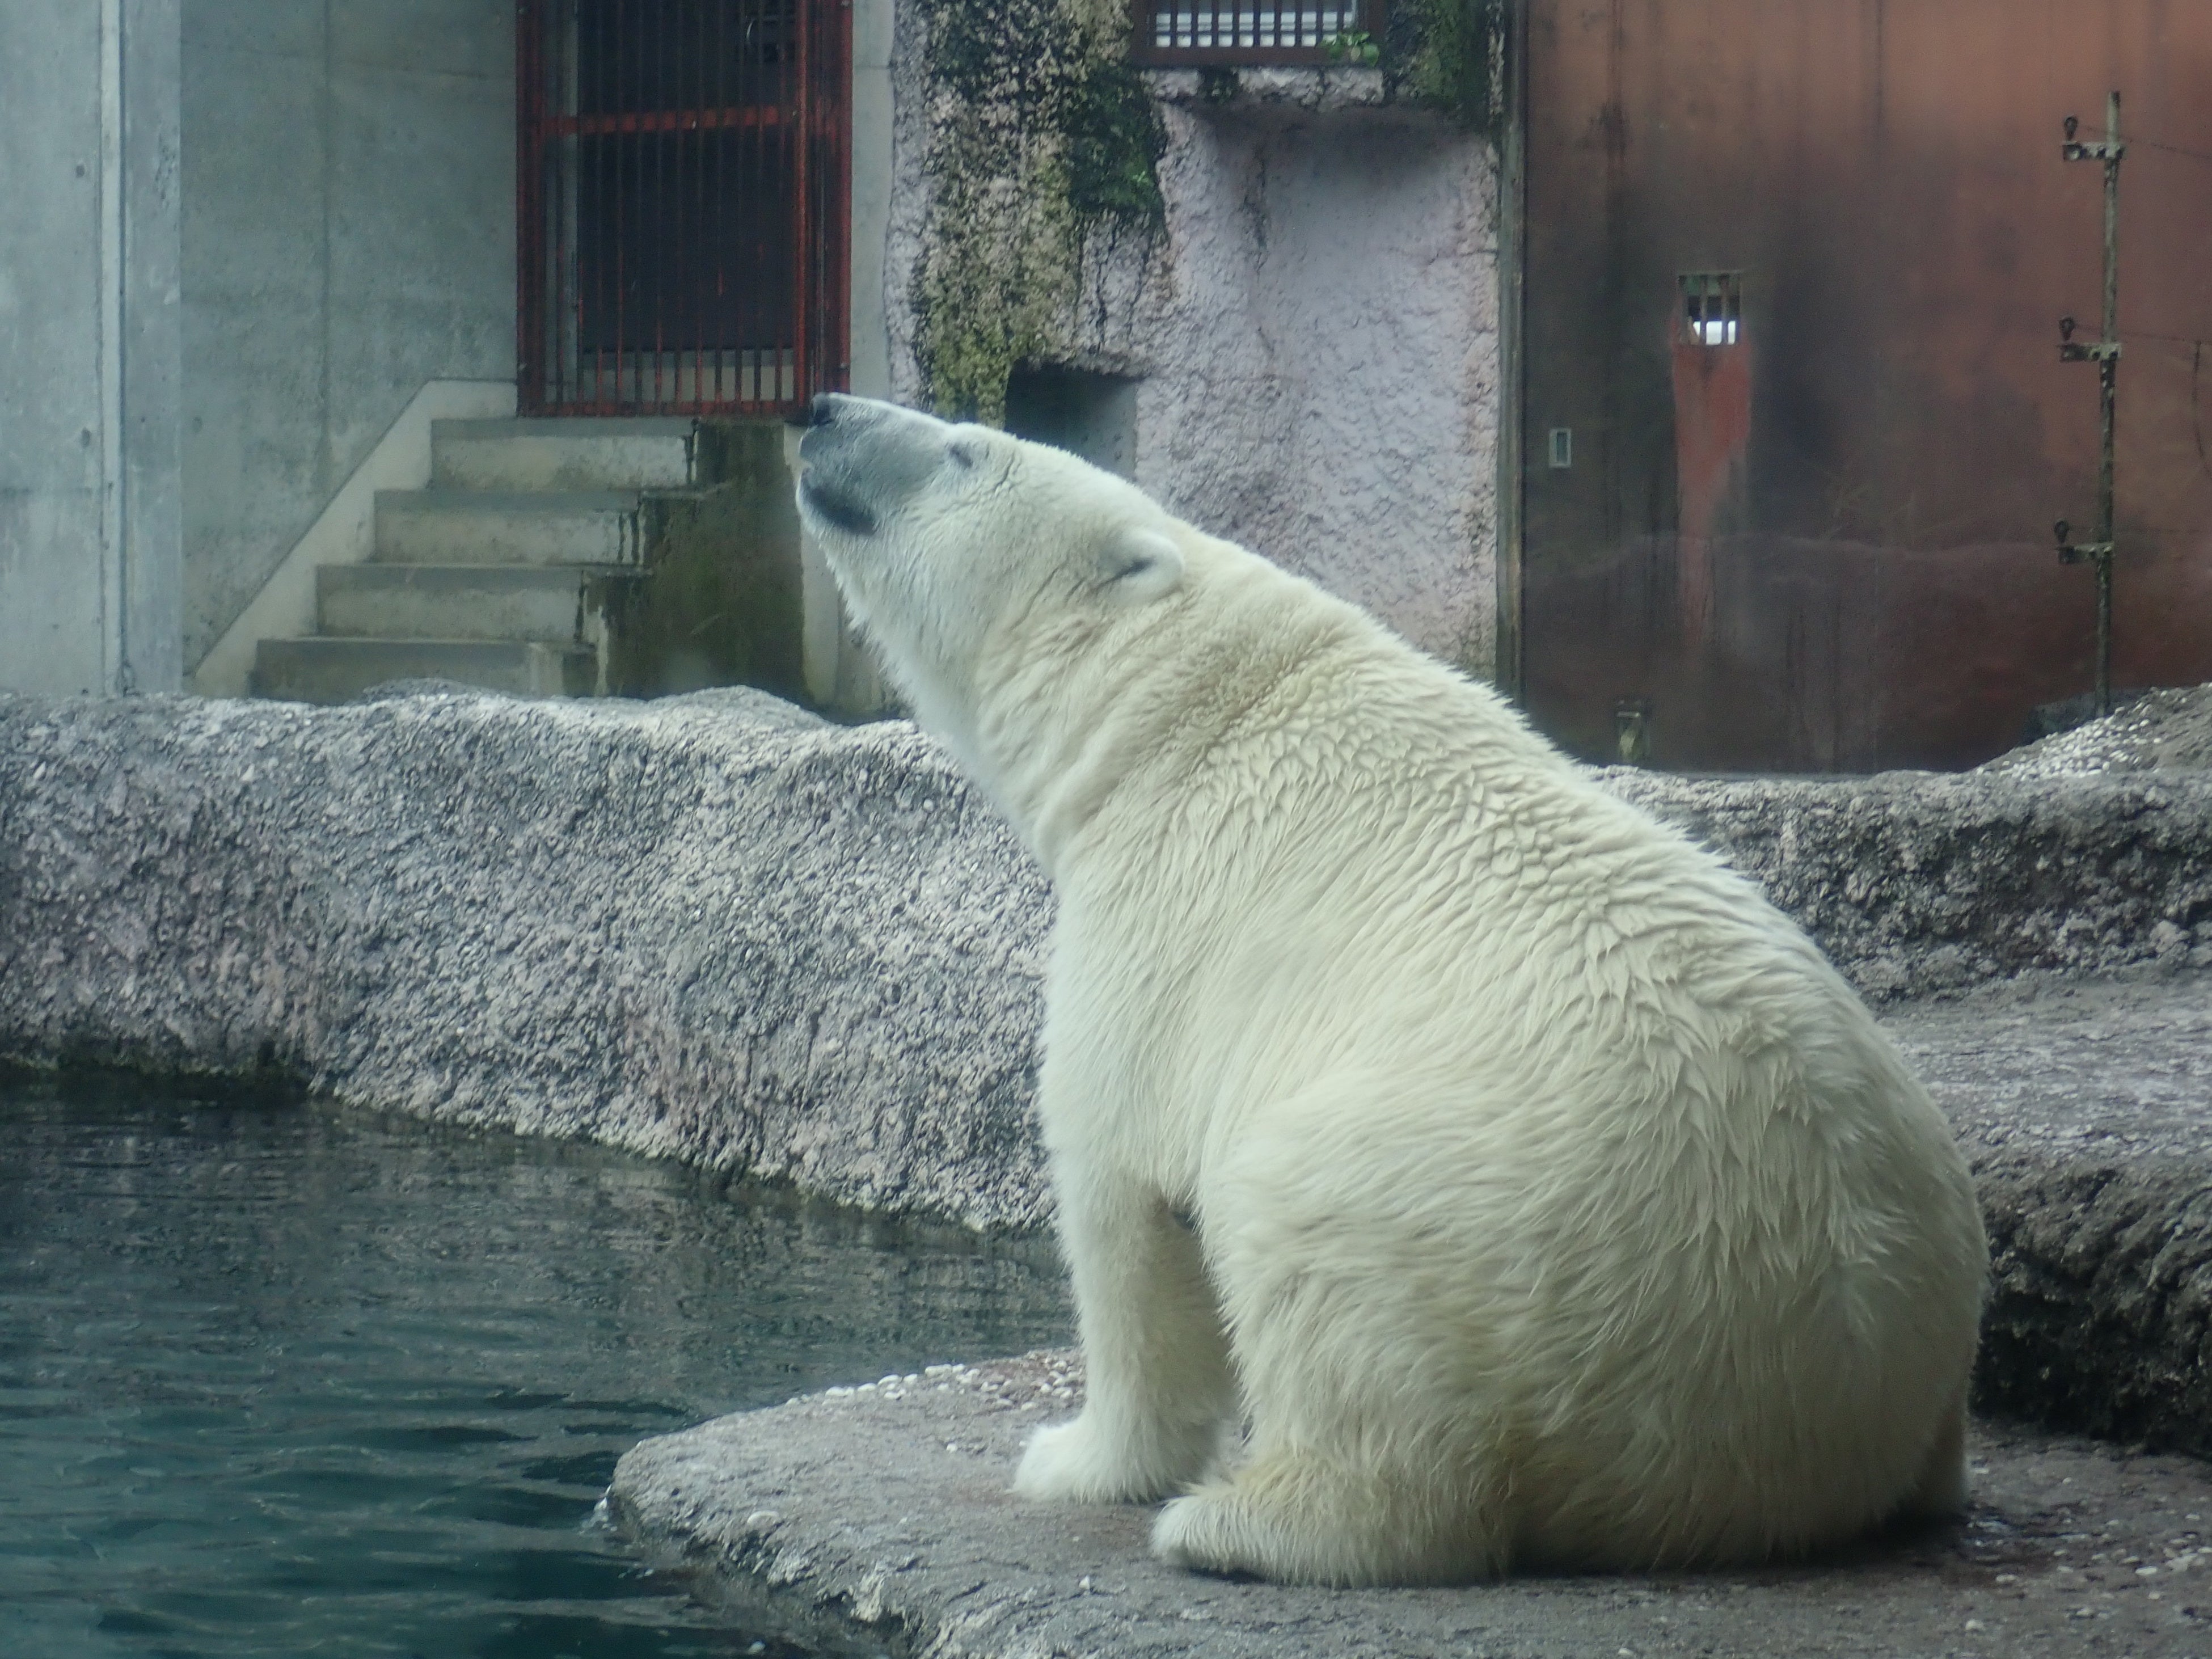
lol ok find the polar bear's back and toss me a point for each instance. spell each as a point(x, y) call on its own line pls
point(1535, 1110)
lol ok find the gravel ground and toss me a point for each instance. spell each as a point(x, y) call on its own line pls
point(2153, 730)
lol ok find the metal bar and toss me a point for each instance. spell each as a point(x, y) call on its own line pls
point(2108, 370)
point(602, 164)
point(706, 119)
point(654, 158)
point(571, 266)
point(723, 358)
point(621, 261)
point(695, 285)
point(751, 159)
point(800, 177)
point(2105, 354)
point(1508, 668)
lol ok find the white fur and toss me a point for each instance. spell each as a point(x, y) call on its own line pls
point(1529, 1189)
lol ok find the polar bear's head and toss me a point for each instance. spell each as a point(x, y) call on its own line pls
point(973, 559)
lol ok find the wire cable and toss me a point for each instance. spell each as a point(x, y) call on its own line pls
point(2172, 149)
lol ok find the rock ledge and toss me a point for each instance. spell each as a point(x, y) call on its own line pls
point(877, 1521)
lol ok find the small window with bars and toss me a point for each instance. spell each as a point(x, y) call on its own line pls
point(1712, 306)
point(1177, 32)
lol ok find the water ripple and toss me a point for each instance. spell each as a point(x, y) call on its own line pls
point(276, 1380)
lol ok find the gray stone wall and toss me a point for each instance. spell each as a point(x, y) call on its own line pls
point(347, 234)
point(712, 927)
point(716, 928)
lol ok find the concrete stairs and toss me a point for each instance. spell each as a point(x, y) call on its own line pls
point(503, 572)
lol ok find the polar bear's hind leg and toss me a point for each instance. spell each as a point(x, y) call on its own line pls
point(1941, 1491)
point(1308, 1519)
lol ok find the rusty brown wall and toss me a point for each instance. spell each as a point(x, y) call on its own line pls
point(1829, 547)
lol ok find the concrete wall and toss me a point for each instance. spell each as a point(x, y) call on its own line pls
point(1324, 384)
point(1314, 340)
point(348, 234)
point(90, 583)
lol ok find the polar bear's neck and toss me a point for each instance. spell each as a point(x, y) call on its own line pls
point(1121, 724)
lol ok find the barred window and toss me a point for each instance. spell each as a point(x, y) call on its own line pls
point(1252, 31)
point(1712, 306)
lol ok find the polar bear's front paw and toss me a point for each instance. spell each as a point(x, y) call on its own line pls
point(1078, 1462)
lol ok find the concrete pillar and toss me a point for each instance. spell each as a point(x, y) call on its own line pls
point(874, 26)
point(91, 596)
point(839, 674)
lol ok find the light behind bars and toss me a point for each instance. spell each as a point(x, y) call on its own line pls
point(1213, 28)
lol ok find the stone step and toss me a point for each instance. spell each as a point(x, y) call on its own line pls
point(473, 526)
point(647, 453)
point(333, 670)
point(455, 601)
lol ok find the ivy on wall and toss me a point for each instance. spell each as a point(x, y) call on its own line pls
point(1039, 135)
point(1450, 54)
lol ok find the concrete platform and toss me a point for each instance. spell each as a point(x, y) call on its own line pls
point(877, 1521)
point(881, 1516)
point(2085, 1106)
point(646, 452)
point(490, 526)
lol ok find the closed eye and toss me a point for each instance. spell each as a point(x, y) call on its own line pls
point(963, 455)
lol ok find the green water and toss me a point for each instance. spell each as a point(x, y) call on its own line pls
point(277, 1380)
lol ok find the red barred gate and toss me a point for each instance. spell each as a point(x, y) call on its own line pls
point(682, 198)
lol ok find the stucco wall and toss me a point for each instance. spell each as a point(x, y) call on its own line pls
point(1324, 385)
point(348, 234)
point(88, 528)
point(1314, 329)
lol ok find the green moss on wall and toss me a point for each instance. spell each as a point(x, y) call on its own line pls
point(1041, 135)
point(718, 601)
point(1451, 54)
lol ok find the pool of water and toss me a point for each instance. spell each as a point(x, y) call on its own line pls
point(280, 1380)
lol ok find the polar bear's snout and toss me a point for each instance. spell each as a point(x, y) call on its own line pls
point(861, 461)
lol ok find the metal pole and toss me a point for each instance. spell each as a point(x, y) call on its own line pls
point(2108, 371)
point(2105, 352)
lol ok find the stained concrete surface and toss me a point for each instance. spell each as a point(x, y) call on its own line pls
point(877, 1521)
point(91, 570)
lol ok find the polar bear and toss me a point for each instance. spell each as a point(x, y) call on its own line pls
point(1458, 1171)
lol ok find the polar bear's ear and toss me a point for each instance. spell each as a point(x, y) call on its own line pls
point(1137, 566)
